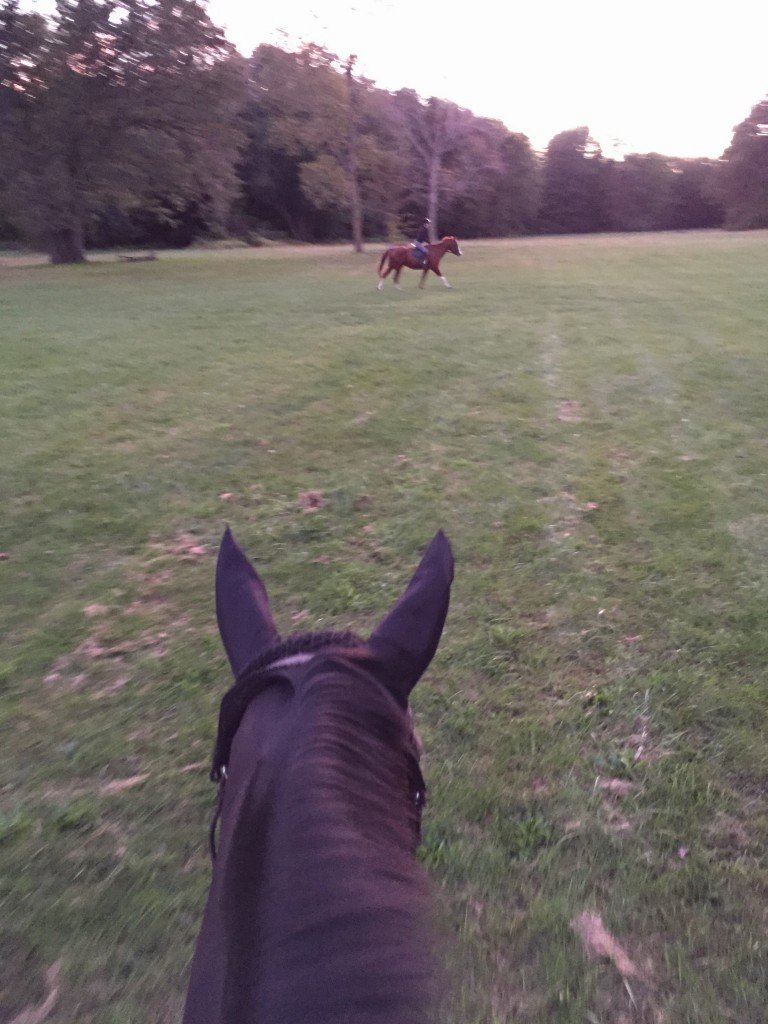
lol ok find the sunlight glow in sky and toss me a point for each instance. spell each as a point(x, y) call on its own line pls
point(672, 77)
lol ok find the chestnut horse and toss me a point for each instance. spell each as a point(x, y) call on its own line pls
point(319, 911)
point(400, 256)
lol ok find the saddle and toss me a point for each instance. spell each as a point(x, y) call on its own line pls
point(421, 253)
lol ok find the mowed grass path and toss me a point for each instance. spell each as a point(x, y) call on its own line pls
point(586, 418)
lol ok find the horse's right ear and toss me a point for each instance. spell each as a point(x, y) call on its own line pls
point(242, 607)
point(406, 640)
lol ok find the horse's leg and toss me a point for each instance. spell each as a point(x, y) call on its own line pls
point(423, 275)
point(443, 279)
point(398, 272)
point(380, 285)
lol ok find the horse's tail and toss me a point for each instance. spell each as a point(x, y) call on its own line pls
point(383, 258)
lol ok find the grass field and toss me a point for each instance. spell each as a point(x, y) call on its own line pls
point(586, 418)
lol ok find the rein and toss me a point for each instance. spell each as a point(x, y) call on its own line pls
point(234, 704)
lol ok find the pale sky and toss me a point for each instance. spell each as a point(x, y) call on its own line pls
point(672, 77)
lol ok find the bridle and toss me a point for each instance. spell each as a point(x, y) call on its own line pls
point(257, 677)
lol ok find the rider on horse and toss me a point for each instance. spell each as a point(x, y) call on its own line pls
point(420, 244)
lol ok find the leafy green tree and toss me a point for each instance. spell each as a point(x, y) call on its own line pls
point(650, 192)
point(296, 104)
point(641, 193)
point(574, 185)
point(500, 187)
point(121, 104)
point(694, 201)
point(383, 161)
point(519, 186)
point(318, 144)
point(744, 179)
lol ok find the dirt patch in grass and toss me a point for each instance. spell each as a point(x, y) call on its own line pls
point(102, 655)
point(599, 944)
point(311, 501)
point(92, 611)
point(119, 785)
point(156, 579)
point(28, 990)
point(147, 604)
point(100, 659)
point(187, 547)
point(629, 996)
point(569, 411)
point(38, 1012)
point(615, 787)
point(111, 688)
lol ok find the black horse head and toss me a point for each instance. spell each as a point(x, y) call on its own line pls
point(318, 910)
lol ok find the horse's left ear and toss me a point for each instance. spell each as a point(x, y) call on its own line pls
point(242, 607)
point(406, 640)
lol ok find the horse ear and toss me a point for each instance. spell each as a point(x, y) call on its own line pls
point(406, 640)
point(242, 607)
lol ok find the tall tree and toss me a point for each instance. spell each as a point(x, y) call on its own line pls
point(744, 180)
point(497, 192)
point(352, 155)
point(519, 186)
point(650, 192)
point(694, 197)
point(640, 193)
point(269, 168)
point(114, 103)
point(439, 134)
point(318, 143)
point(574, 183)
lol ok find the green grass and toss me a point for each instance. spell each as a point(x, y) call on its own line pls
point(585, 418)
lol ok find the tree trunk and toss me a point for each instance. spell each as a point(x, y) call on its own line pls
point(66, 244)
point(294, 228)
point(433, 195)
point(355, 199)
point(356, 209)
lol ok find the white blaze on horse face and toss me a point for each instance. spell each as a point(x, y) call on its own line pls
point(292, 659)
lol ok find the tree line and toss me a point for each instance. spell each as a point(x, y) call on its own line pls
point(136, 122)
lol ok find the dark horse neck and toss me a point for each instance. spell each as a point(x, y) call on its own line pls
point(330, 805)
